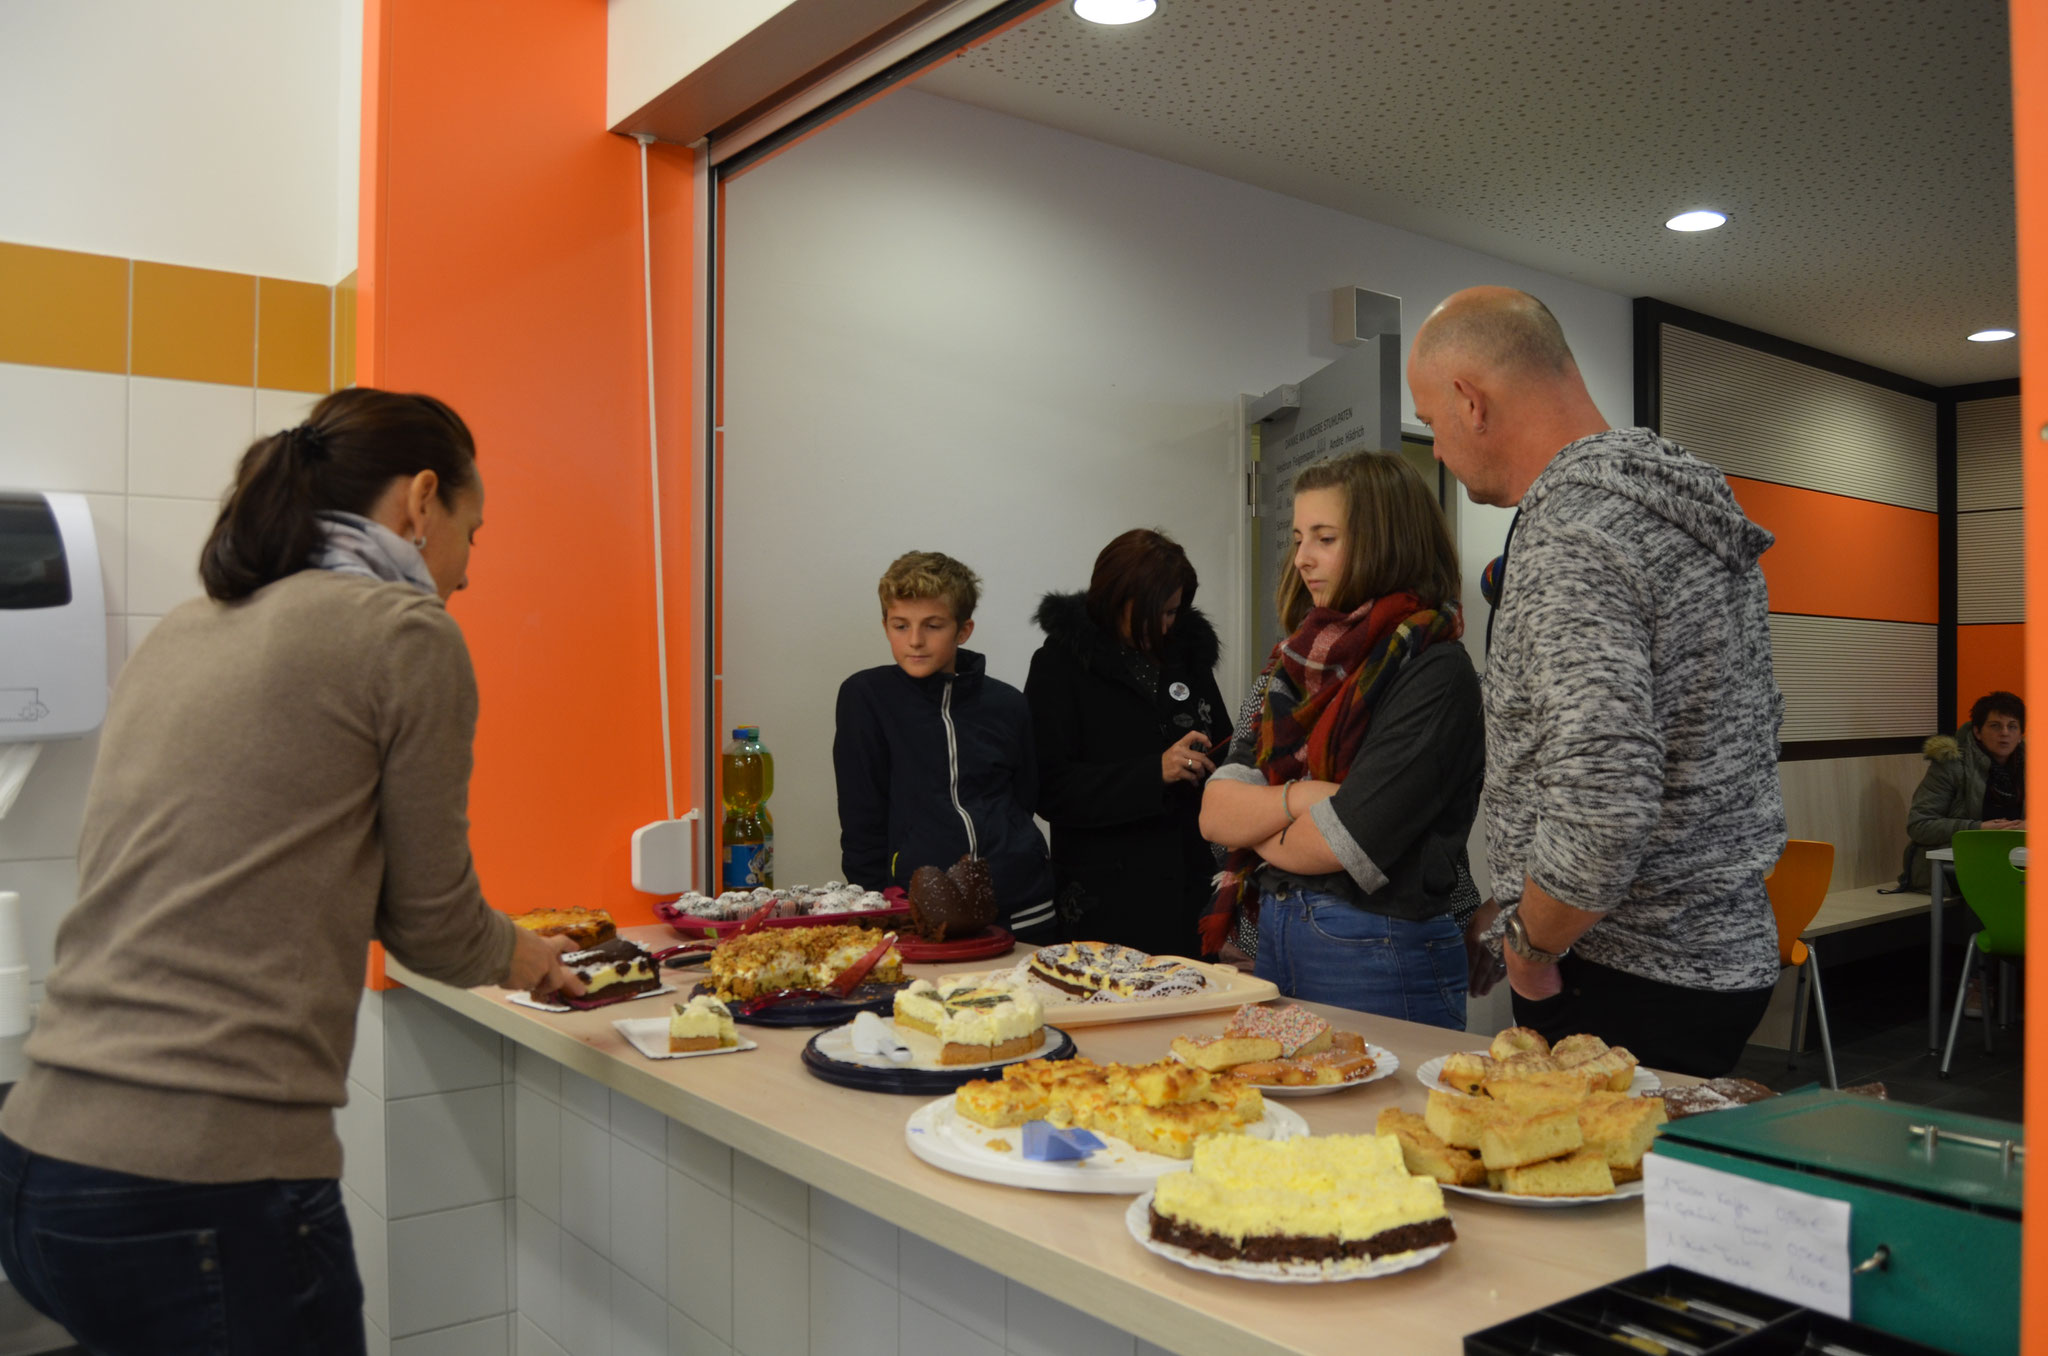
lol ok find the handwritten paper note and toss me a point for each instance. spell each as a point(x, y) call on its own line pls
point(1784, 1243)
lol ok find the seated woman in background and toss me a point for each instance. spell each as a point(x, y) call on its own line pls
point(1348, 804)
point(1124, 710)
point(1976, 780)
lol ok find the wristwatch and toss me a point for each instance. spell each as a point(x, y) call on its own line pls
point(1517, 938)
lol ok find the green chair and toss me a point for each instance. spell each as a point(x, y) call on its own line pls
point(1996, 892)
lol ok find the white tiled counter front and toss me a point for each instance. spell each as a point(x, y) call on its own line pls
point(528, 1183)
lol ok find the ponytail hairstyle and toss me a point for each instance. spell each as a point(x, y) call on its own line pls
point(344, 459)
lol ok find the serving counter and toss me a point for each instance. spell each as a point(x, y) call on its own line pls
point(1076, 1248)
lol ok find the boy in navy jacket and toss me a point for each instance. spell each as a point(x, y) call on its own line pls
point(934, 758)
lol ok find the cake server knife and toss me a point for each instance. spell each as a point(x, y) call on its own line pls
point(847, 980)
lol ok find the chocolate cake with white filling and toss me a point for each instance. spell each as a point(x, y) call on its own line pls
point(618, 968)
point(1106, 970)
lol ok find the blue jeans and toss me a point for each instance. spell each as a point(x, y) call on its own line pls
point(136, 1266)
point(1323, 948)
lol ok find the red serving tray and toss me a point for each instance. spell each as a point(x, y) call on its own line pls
point(990, 941)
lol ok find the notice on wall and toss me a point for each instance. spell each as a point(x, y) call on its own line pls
point(1785, 1243)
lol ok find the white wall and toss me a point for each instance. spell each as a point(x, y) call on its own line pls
point(948, 329)
point(213, 133)
point(651, 44)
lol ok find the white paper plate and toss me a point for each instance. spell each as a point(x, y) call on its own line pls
point(1627, 1191)
point(1385, 1064)
point(649, 1035)
point(1430, 1074)
point(1138, 1219)
point(837, 1045)
point(945, 1139)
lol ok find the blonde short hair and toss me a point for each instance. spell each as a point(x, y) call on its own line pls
point(929, 574)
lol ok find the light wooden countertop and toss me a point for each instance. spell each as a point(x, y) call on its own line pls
point(1507, 1259)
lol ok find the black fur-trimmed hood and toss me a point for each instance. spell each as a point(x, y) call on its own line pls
point(1191, 644)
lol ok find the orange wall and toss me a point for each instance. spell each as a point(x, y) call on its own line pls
point(501, 271)
point(1989, 659)
point(2030, 184)
point(1838, 556)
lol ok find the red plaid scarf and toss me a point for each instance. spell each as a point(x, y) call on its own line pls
point(1340, 665)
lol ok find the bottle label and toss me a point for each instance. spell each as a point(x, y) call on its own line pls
point(746, 866)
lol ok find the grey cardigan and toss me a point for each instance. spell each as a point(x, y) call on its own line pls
point(1632, 716)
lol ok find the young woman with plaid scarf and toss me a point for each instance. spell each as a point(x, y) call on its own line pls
point(1347, 805)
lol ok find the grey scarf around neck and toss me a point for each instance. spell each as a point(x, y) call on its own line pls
point(355, 545)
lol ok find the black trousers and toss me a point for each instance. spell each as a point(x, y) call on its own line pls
point(1689, 1031)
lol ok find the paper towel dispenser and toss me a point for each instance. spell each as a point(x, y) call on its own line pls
point(53, 619)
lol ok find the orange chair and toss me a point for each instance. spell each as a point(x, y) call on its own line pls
point(1798, 886)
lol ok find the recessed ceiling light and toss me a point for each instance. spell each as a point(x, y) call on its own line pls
point(1696, 221)
point(1115, 11)
point(1990, 336)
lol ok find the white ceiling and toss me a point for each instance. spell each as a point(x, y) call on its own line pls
point(1862, 149)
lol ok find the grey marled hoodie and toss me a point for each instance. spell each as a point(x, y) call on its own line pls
point(1632, 716)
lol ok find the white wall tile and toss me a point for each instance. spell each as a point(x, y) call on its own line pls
point(110, 534)
point(586, 1300)
point(1152, 1349)
point(63, 430)
point(702, 1157)
point(164, 540)
point(639, 1125)
point(964, 1291)
point(185, 437)
point(535, 1070)
point(448, 1268)
point(771, 1193)
point(853, 1235)
point(685, 1338)
point(639, 1215)
point(587, 1182)
point(852, 1313)
point(45, 819)
point(1040, 1325)
point(138, 631)
point(529, 1340)
point(373, 1264)
point(484, 1337)
point(277, 410)
point(771, 1266)
point(48, 888)
point(360, 1125)
point(639, 1318)
point(375, 1343)
point(537, 1252)
point(537, 1152)
point(366, 1062)
point(700, 1253)
point(447, 1149)
point(427, 1048)
point(926, 1332)
point(587, 1097)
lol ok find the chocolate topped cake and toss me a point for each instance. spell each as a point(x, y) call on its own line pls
point(956, 902)
point(617, 968)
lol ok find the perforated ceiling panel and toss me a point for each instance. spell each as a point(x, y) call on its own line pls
point(1862, 148)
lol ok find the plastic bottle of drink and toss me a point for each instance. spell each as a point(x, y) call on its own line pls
point(747, 837)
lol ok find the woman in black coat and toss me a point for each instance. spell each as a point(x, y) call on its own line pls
point(1125, 710)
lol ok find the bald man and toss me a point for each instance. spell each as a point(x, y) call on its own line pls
point(1632, 718)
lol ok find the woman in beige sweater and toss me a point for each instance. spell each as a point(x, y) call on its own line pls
point(283, 776)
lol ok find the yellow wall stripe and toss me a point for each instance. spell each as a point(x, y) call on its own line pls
point(292, 324)
point(63, 309)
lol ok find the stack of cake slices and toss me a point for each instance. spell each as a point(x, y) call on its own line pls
point(1534, 1131)
point(1327, 1199)
point(1161, 1108)
point(1279, 1046)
